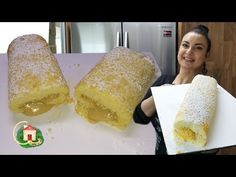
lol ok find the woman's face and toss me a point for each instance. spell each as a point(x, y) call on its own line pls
point(193, 51)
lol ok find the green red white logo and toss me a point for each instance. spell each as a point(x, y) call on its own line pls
point(27, 136)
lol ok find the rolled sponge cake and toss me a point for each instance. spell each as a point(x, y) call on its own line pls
point(110, 92)
point(196, 112)
point(35, 80)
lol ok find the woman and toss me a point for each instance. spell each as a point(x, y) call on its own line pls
point(193, 52)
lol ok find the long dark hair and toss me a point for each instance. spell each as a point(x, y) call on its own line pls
point(203, 30)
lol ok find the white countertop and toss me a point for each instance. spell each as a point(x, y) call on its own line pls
point(63, 130)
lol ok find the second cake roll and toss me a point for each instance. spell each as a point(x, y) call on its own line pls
point(110, 92)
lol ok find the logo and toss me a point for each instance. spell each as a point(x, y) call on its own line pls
point(27, 136)
point(167, 33)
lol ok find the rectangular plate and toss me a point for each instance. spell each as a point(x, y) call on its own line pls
point(222, 132)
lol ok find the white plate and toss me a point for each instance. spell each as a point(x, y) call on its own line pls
point(222, 132)
point(64, 131)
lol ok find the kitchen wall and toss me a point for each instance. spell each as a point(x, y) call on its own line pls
point(222, 60)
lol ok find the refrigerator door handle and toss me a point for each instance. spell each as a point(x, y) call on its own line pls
point(67, 37)
point(126, 42)
point(118, 39)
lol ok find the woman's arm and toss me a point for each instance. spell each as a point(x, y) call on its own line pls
point(142, 111)
point(145, 110)
point(148, 106)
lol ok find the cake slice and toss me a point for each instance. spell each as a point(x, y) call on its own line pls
point(110, 92)
point(35, 81)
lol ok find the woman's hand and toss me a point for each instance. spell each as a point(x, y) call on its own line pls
point(148, 106)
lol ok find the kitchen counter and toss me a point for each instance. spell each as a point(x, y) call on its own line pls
point(64, 131)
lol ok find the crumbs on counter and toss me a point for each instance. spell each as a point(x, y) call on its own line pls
point(70, 101)
point(50, 130)
point(77, 65)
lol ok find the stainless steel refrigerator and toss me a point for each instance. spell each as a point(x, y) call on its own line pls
point(159, 38)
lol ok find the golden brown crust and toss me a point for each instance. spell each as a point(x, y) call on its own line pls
point(33, 72)
point(115, 86)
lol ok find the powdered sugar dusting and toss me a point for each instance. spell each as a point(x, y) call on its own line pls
point(122, 70)
point(201, 98)
point(31, 60)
